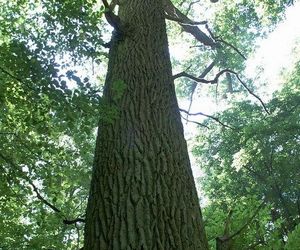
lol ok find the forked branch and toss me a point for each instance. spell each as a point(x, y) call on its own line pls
point(216, 79)
point(208, 116)
point(198, 123)
point(194, 84)
point(111, 18)
point(191, 5)
point(185, 23)
point(201, 80)
point(190, 26)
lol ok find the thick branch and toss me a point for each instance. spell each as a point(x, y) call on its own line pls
point(185, 22)
point(208, 69)
point(70, 222)
point(216, 79)
point(111, 18)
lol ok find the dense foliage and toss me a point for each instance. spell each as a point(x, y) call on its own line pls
point(255, 162)
point(51, 69)
point(48, 120)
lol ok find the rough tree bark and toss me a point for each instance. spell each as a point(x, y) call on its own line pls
point(142, 192)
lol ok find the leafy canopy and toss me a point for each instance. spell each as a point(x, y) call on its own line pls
point(51, 70)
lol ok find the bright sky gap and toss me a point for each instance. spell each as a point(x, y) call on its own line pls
point(274, 53)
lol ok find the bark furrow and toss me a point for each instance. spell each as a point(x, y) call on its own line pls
point(142, 193)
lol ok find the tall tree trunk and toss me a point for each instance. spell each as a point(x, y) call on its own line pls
point(142, 193)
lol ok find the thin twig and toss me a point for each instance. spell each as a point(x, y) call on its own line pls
point(194, 85)
point(7, 133)
point(251, 92)
point(208, 116)
point(248, 222)
point(38, 195)
point(16, 78)
point(231, 46)
point(42, 199)
point(35, 189)
point(218, 39)
point(190, 6)
point(198, 123)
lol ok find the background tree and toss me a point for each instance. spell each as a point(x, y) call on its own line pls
point(255, 161)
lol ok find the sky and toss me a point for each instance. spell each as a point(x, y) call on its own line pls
point(273, 54)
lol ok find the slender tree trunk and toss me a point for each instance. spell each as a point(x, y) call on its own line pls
point(223, 243)
point(142, 193)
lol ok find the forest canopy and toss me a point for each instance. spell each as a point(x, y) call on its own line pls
point(54, 59)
